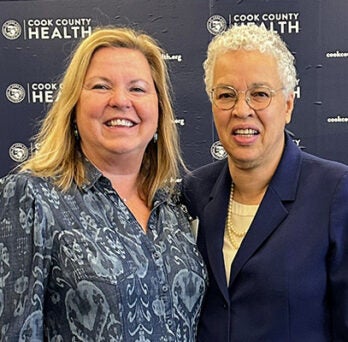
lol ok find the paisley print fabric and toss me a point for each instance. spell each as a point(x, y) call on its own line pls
point(76, 266)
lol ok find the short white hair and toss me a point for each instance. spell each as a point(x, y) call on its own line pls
point(251, 37)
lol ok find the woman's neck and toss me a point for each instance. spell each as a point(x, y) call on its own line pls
point(249, 185)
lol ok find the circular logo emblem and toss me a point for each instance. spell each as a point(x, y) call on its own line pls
point(216, 24)
point(15, 93)
point(18, 152)
point(11, 29)
point(218, 151)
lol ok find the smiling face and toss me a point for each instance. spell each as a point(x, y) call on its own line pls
point(117, 112)
point(251, 138)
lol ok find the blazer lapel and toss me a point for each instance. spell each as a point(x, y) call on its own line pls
point(269, 216)
point(214, 218)
point(272, 211)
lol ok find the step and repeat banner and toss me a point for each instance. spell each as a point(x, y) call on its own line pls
point(37, 38)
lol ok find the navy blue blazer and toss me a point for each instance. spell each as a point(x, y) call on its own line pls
point(289, 279)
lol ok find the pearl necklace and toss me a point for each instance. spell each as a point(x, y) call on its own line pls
point(232, 233)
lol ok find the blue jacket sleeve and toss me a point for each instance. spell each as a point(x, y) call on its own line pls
point(338, 262)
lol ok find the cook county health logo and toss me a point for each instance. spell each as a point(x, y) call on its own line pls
point(11, 29)
point(216, 24)
point(59, 28)
point(218, 151)
point(42, 92)
point(282, 22)
point(15, 93)
point(18, 152)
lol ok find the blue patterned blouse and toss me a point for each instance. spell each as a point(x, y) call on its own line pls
point(77, 266)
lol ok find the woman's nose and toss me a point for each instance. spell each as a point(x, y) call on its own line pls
point(241, 107)
point(119, 98)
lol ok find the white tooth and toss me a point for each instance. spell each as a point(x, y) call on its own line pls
point(121, 122)
point(248, 131)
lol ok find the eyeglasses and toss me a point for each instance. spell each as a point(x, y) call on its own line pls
point(258, 97)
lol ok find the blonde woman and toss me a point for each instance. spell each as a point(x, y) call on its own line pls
point(94, 245)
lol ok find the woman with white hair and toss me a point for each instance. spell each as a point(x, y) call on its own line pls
point(273, 220)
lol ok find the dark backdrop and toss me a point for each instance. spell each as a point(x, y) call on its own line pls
point(38, 36)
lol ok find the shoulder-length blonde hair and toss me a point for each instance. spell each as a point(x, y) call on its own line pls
point(58, 156)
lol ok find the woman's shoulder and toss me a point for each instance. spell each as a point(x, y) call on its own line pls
point(209, 170)
point(22, 184)
point(325, 166)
